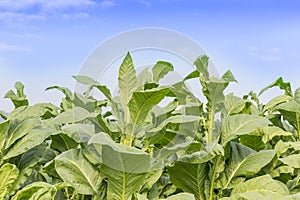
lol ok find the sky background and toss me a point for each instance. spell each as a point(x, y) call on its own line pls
point(44, 43)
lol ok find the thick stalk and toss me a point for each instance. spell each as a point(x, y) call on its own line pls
point(298, 125)
point(210, 136)
point(213, 178)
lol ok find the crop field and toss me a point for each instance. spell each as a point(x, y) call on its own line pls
point(133, 147)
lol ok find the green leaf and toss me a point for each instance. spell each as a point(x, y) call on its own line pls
point(143, 101)
point(34, 138)
point(160, 69)
point(271, 105)
point(144, 77)
point(234, 104)
point(19, 130)
point(292, 160)
point(37, 190)
point(281, 147)
point(286, 86)
point(269, 132)
point(19, 98)
point(85, 80)
point(68, 93)
point(241, 124)
point(127, 83)
point(8, 175)
point(262, 187)
point(125, 167)
point(190, 177)
point(208, 153)
point(81, 133)
point(4, 127)
point(76, 170)
point(37, 155)
point(244, 162)
point(181, 92)
point(201, 64)
point(73, 115)
point(228, 77)
point(281, 170)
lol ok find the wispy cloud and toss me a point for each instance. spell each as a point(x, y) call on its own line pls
point(9, 47)
point(265, 54)
point(107, 4)
point(145, 3)
point(26, 10)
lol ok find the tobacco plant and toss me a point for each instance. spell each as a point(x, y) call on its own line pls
point(152, 141)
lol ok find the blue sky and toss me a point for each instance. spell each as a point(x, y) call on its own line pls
point(44, 43)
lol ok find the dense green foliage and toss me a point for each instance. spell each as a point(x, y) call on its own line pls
point(133, 147)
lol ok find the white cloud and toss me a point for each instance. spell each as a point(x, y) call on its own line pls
point(145, 3)
point(25, 10)
point(265, 54)
point(8, 47)
point(10, 17)
point(20, 5)
point(107, 4)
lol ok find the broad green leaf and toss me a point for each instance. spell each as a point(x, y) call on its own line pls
point(286, 86)
point(122, 185)
point(73, 115)
point(37, 190)
point(8, 175)
point(281, 147)
point(241, 124)
point(85, 80)
point(181, 92)
point(84, 102)
point(124, 167)
point(81, 133)
point(294, 185)
point(160, 69)
point(103, 150)
point(127, 83)
point(292, 197)
point(181, 196)
point(269, 132)
point(201, 64)
point(234, 104)
point(62, 142)
point(4, 127)
point(206, 154)
point(262, 187)
point(281, 170)
point(34, 138)
point(244, 162)
point(142, 102)
point(20, 130)
point(177, 119)
point(276, 101)
point(228, 77)
point(291, 106)
point(190, 177)
point(291, 160)
point(36, 111)
point(37, 155)
point(76, 170)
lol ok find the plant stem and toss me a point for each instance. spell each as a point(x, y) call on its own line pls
point(298, 125)
point(210, 136)
point(211, 190)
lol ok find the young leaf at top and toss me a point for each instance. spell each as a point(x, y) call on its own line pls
point(160, 69)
